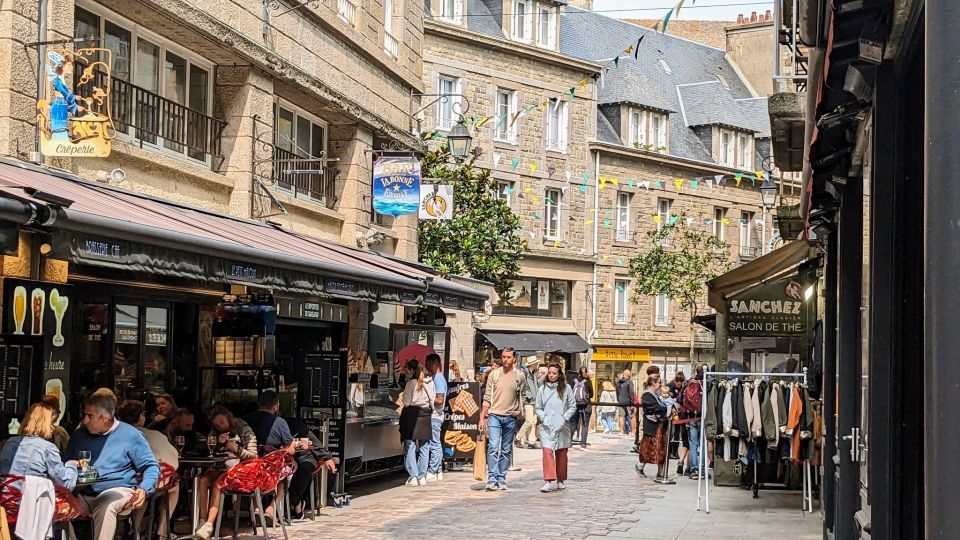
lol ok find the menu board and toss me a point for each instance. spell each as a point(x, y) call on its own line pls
point(40, 308)
point(20, 366)
point(325, 381)
point(461, 425)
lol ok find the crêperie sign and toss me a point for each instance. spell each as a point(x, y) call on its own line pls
point(777, 308)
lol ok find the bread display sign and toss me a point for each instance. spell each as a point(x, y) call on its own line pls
point(461, 425)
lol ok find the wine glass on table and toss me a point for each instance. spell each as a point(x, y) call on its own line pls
point(180, 442)
point(211, 443)
point(83, 459)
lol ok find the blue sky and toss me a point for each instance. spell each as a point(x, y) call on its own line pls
point(702, 9)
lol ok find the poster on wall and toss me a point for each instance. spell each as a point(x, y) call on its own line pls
point(37, 308)
point(461, 425)
point(543, 295)
point(436, 202)
point(396, 185)
point(521, 293)
point(73, 112)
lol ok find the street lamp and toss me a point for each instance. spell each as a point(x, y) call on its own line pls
point(459, 140)
point(768, 197)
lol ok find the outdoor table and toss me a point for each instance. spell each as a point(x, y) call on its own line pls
point(197, 466)
point(82, 484)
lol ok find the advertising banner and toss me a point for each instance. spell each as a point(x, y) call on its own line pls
point(777, 308)
point(436, 201)
point(396, 185)
point(462, 424)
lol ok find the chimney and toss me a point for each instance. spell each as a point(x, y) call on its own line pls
point(740, 18)
point(586, 5)
point(753, 17)
point(768, 16)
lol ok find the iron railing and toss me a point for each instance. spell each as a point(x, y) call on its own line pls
point(303, 175)
point(390, 45)
point(151, 117)
point(347, 10)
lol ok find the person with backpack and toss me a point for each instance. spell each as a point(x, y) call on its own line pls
point(583, 395)
point(625, 398)
point(691, 402)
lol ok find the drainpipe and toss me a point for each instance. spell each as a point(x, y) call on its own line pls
point(596, 237)
point(41, 73)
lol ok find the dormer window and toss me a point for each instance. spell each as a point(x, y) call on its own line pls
point(736, 149)
point(648, 130)
point(521, 23)
point(546, 26)
point(450, 10)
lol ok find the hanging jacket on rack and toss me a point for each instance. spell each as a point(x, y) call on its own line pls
point(710, 421)
point(793, 424)
point(806, 427)
point(768, 416)
point(728, 427)
point(783, 448)
point(756, 422)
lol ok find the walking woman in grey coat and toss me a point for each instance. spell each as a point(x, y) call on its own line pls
point(555, 407)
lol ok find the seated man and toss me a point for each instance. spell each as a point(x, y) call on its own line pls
point(307, 465)
point(132, 412)
point(273, 433)
point(118, 452)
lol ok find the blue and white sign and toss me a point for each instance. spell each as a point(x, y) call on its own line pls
point(396, 185)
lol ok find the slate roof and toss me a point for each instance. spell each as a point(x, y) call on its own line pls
point(644, 81)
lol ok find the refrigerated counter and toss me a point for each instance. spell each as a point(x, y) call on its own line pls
point(373, 423)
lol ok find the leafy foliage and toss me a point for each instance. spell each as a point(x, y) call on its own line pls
point(681, 258)
point(483, 238)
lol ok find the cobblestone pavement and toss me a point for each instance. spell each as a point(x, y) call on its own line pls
point(604, 499)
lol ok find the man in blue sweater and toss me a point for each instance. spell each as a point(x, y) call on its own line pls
point(118, 452)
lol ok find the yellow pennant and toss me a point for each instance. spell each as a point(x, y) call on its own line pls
point(583, 84)
point(527, 190)
point(613, 180)
point(534, 199)
point(629, 50)
point(556, 243)
point(589, 222)
point(603, 181)
point(657, 218)
point(533, 167)
point(724, 220)
point(738, 180)
point(679, 183)
point(482, 121)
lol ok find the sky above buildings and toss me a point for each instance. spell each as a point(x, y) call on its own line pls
point(724, 10)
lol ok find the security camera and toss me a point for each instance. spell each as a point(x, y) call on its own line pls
point(116, 176)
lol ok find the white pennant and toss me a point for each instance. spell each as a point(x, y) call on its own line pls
point(496, 159)
point(710, 183)
point(645, 185)
point(557, 104)
point(689, 221)
point(720, 179)
point(568, 174)
point(533, 234)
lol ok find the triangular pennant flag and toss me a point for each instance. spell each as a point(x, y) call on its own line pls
point(710, 184)
point(679, 183)
point(645, 185)
point(602, 79)
point(694, 183)
point(536, 216)
point(533, 167)
point(551, 170)
point(629, 183)
point(758, 175)
point(496, 159)
point(583, 188)
point(483, 121)
point(593, 210)
point(636, 48)
point(533, 234)
point(628, 50)
point(568, 175)
point(616, 61)
point(535, 199)
point(656, 26)
point(738, 178)
point(583, 84)
point(613, 180)
point(657, 218)
point(556, 243)
point(589, 222)
point(573, 90)
point(689, 221)
point(708, 221)
point(528, 189)
point(543, 104)
point(603, 181)
point(680, 5)
point(619, 261)
point(619, 286)
point(585, 176)
point(606, 223)
point(500, 120)
point(529, 108)
point(515, 162)
point(556, 104)
point(659, 184)
point(508, 190)
point(724, 221)
point(666, 21)
point(674, 219)
point(516, 116)
point(721, 179)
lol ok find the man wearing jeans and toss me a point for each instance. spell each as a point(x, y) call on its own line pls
point(691, 401)
point(435, 468)
point(498, 417)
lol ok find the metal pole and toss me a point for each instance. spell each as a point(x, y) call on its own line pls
point(941, 317)
point(828, 489)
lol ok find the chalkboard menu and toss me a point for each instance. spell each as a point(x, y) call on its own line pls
point(462, 420)
point(325, 380)
point(21, 365)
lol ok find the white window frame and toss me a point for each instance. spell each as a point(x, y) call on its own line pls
point(659, 136)
point(638, 127)
point(504, 131)
point(727, 144)
point(164, 45)
point(347, 11)
point(390, 44)
point(552, 213)
point(281, 103)
point(521, 25)
point(749, 242)
point(621, 301)
point(559, 116)
point(718, 216)
point(444, 14)
point(661, 310)
point(447, 107)
point(744, 151)
point(664, 206)
point(548, 41)
point(501, 191)
point(642, 130)
point(623, 216)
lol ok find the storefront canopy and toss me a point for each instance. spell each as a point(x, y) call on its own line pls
point(99, 225)
point(530, 343)
point(757, 271)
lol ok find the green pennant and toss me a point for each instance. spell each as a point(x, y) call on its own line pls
point(616, 61)
point(666, 21)
point(573, 89)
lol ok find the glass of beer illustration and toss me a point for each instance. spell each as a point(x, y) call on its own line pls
point(59, 306)
point(37, 303)
point(19, 309)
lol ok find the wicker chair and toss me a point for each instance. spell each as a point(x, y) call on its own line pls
point(251, 478)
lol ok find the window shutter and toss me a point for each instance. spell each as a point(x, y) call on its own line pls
point(662, 140)
point(642, 128)
point(458, 11)
point(564, 125)
point(552, 38)
point(530, 15)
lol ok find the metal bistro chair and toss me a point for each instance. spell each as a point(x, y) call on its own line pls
point(251, 478)
point(169, 479)
point(67, 506)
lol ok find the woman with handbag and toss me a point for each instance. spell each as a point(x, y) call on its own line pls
point(653, 445)
point(415, 428)
point(555, 407)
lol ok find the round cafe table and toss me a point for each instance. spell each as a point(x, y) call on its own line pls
point(197, 466)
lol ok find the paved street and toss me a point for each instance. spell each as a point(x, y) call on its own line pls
point(604, 499)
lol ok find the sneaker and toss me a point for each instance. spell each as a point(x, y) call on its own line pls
point(639, 470)
point(431, 477)
point(439, 476)
point(548, 487)
point(422, 481)
point(411, 482)
point(502, 486)
point(680, 468)
point(561, 486)
point(491, 486)
point(205, 531)
point(694, 476)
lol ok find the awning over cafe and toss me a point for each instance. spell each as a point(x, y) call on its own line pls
point(761, 269)
point(530, 343)
point(100, 225)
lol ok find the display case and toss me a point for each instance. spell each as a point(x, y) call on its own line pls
point(373, 405)
point(373, 419)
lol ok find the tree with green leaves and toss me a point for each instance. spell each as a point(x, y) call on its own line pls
point(680, 259)
point(483, 239)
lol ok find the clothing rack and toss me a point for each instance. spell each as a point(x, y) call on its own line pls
point(703, 481)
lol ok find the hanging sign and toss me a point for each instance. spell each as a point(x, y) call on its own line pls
point(73, 113)
point(396, 185)
point(436, 201)
point(777, 308)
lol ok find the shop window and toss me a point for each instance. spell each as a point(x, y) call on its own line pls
point(536, 297)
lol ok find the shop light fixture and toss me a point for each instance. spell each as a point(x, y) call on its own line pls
point(459, 140)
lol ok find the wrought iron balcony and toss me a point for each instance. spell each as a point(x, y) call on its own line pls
point(304, 176)
point(156, 120)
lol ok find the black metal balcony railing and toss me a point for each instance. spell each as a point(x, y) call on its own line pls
point(304, 176)
point(152, 116)
point(749, 252)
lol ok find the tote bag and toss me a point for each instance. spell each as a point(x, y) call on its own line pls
point(480, 459)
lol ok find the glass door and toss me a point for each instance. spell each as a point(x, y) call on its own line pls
point(140, 349)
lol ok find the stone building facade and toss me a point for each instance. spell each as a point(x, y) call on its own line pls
point(512, 73)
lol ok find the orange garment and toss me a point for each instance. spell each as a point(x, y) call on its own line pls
point(793, 422)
